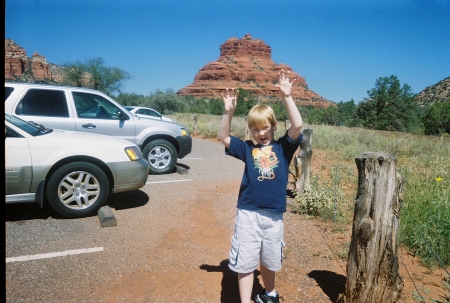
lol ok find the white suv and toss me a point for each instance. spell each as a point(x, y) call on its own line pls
point(91, 111)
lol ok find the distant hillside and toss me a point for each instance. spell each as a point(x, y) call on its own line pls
point(439, 92)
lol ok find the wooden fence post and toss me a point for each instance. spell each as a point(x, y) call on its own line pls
point(287, 125)
point(247, 130)
point(302, 162)
point(195, 125)
point(372, 267)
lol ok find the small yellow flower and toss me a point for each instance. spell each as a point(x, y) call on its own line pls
point(438, 179)
point(392, 136)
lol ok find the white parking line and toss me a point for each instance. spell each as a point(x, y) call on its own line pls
point(156, 182)
point(54, 254)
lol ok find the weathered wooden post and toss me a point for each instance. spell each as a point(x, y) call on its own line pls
point(247, 130)
point(372, 267)
point(195, 125)
point(302, 162)
point(287, 124)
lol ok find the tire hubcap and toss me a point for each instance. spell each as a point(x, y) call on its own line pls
point(78, 190)
point(159, 157)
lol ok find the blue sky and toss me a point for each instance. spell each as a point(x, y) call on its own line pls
point(340, 47)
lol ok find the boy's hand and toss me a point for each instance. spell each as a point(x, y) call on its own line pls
point(229, 100)
point(284, 85)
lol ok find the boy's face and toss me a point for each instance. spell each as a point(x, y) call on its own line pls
point(263, 134)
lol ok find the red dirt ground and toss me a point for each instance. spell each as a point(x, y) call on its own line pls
point(316, 259)
point(314, 267)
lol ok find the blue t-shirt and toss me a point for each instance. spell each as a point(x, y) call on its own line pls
point(266, 172)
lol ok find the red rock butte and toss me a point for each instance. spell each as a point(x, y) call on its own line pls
point(17, 64)
point(246, 63)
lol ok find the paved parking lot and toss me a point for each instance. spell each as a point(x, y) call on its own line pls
point(170, 244)
point(50, 259)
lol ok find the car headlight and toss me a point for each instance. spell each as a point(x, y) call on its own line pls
point(134, 153)
point(184, 132)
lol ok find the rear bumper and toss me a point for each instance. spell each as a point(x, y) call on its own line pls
point(129, 175)
point(185, 144)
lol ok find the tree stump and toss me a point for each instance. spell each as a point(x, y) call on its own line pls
point(195, 125)
point(302, 162)
point(372, 268)
point(247, 130)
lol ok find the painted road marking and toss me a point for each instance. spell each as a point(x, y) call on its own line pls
point(156, 182)
point(54, 254)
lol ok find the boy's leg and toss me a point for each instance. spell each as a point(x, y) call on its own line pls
point(245, 286)
point(268, 277)
point(271, 256)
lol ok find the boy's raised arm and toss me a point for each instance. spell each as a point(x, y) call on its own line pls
point(293, 114)
point(229, 101)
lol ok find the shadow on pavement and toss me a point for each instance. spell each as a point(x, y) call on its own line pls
point(27, 211)
point(126, 200)
point(32, 211)
point(331, 283)
point(230, 287)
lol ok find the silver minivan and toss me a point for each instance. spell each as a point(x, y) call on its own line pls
point(87, 110)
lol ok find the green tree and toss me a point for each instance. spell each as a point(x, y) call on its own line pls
point(347, 111)
point(132, 99)
point(245, 101)
point(94, 74)
point(75, 75)
point(166, 102)
point(216, 106)
point(390, 106)
point(437, 119)
point(305, 112)
point(315, 116)
point(331, 115)
point(200, 105)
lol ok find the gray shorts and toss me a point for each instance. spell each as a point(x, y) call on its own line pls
point(258, 237)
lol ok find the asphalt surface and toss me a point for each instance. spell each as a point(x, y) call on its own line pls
point(73, 256)
point(170, 244)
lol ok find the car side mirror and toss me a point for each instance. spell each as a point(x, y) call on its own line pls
point(123, 116)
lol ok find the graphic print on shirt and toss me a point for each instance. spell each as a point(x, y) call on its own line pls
point(265, 161)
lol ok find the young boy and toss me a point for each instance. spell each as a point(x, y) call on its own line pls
point(258, 232)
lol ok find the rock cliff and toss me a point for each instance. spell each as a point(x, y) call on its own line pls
point(247, 63)
point(16, 60)
point(18, 67)
point(439, 92)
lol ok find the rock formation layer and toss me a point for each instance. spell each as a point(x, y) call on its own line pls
point(18, 67)
point(247, 63)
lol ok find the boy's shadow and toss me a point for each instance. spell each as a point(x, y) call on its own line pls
point(230, 286)
point(332, 284)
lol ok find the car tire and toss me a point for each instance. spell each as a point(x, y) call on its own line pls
point(77, 190)
point(161, 156)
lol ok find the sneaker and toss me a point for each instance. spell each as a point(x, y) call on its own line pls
point(263, 298)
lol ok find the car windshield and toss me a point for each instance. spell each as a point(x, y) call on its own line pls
point(32, 129)
point(129, 108)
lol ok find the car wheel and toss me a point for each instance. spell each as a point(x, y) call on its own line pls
point(161, 156)
point(77, 190)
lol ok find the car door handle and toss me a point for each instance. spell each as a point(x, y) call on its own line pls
point(89, 126)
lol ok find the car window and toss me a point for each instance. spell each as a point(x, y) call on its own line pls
point(43, 102)
point(8, 91)
point(153, 113)
point(28, 127)
point(10, 133)
point(95, 106)
point(149, 112)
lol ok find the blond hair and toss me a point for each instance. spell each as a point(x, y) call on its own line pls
point(261, 114)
